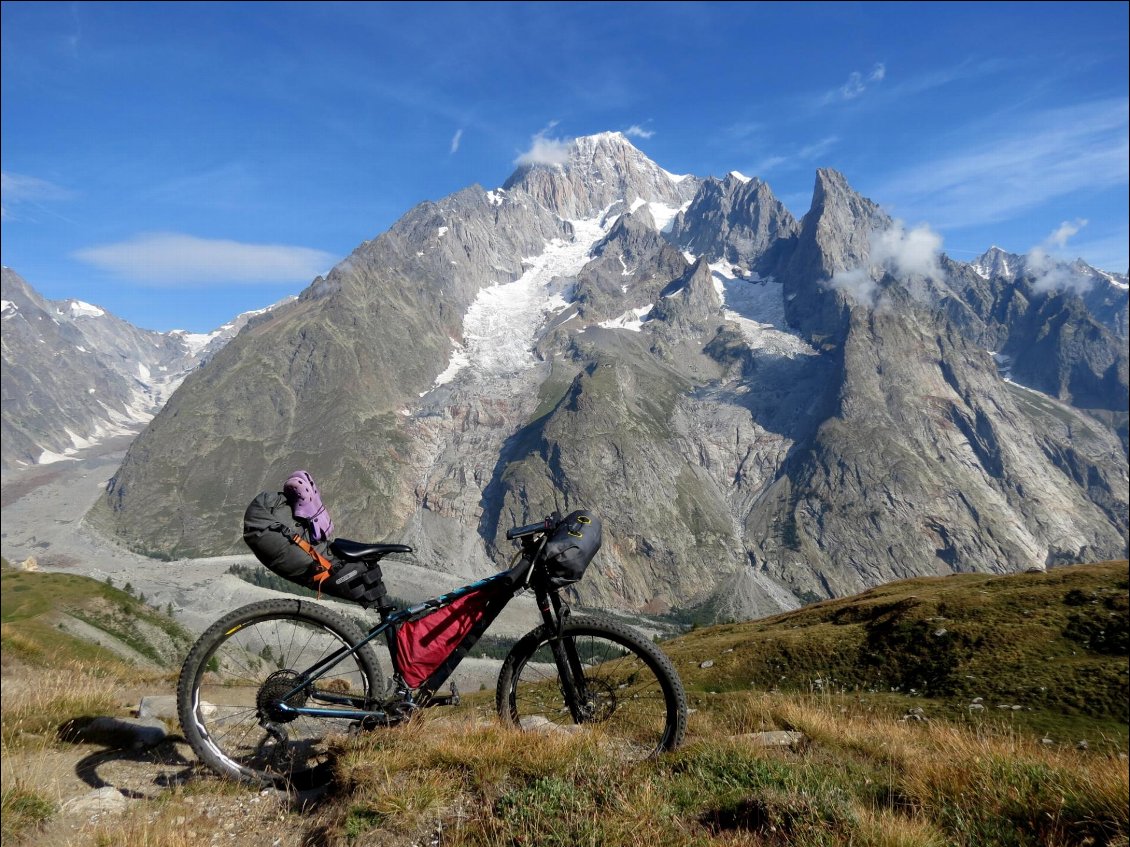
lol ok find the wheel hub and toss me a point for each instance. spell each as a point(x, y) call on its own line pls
point(271, 695)
point(599, 701)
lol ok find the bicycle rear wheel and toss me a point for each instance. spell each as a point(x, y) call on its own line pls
point(240, 668)
point(628, 692)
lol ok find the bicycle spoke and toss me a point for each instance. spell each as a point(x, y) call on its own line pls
point(628, 695)
point(244, 671)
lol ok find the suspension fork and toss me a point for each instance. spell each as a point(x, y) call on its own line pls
point(564, 650)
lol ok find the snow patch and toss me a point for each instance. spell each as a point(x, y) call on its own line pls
point(739, 176)
point(500, 326)
point(79, 309)
point(1122, 283)
point(49, 458)
point(441, 232)
point(458, 362)
point(197, 341)
point(757, 306)
point(664, 215)
point(8, 308)
point(632, 320)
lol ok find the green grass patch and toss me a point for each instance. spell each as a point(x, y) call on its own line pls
point(34, 607)
point(23, 810)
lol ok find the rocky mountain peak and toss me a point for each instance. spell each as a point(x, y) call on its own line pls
point(841, 223)
point(499, 354)
point(736, 219)
point(835, 237)
point(996, 262)
point(583, 179)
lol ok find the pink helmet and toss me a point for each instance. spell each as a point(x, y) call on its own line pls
point(306, 503)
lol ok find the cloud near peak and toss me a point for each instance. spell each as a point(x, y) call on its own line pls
point(1051, 275)
point(174, 259)
point(637, 131)
point(898, 251)
point(545, 150)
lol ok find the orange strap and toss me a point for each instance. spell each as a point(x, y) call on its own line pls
point(322, 564)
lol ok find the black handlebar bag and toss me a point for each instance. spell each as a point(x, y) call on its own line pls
point(572, 546)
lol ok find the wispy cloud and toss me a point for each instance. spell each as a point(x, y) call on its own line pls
point(1048, 155)
point(1065, 231)
point(902, 253)
point(906, 253)
point(18, 192)
point(545, 150)
point(174, 259)
point(637, 131)
point(857, 83)
point(455, 140)
point(794, 159)
point(1050, 274)
point(818, 148)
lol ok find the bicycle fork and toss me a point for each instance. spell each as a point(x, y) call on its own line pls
point(565, 655)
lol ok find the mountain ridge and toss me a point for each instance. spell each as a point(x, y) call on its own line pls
point(799, 411)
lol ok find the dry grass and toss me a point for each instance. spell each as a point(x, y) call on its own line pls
point(864, 779)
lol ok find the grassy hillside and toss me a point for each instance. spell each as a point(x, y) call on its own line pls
point(42, 612)
point(54, 673)
point(897, 692)
point(1054, 644)
point(916, 766)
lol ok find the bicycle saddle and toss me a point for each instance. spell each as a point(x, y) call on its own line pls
point(355, 551)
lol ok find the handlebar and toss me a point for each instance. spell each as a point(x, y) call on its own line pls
point(529, 529)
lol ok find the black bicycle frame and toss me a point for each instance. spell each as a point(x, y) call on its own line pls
point(528, 572)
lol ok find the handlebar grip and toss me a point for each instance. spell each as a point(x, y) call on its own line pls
point(529, 529)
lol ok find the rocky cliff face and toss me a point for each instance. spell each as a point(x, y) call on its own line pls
point(762, 411)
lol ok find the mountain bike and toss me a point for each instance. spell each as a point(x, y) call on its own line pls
point(266, 686)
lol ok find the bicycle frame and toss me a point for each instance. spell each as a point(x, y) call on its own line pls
point(526, 573)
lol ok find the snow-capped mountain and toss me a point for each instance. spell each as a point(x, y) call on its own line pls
point(74, 374)
point(763, 410)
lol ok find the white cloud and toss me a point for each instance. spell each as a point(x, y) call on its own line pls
point(856, 282)
point(900, 252)
point(544, 150)
point(1066, 230)
point(769, 163)
point(635, 130)
point(856, 84)
point(176, 259)
point(853, 87)
point(18, 189)
point(905, 253)
point(456, 139)
point(818, 148)
point(1050, 274)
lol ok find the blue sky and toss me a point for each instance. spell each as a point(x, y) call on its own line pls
point(180, 163)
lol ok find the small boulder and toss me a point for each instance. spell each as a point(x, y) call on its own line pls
point(775, 738)
point(100, 801)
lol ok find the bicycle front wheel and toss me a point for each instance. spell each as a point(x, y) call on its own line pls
point(626, 690)
point(243, 666)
